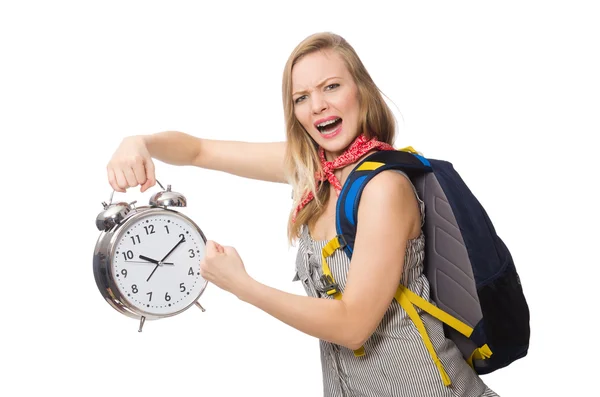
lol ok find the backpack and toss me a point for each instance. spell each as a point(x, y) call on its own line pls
point(475, 287)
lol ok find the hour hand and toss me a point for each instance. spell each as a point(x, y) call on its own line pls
point(149, 259)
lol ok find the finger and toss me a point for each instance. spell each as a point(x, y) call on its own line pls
point(203, 272)
point(139, 172)
point(130, 177)
point(121, 181)
point(150, 176)
point(211, 248)
point(230, 251)
point(219, 248)
point(112, 180)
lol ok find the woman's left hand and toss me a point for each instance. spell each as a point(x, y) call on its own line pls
point(223, 267)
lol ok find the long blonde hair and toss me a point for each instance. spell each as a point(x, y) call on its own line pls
point(301, 157)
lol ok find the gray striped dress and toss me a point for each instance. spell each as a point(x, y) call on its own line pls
point(396, 362)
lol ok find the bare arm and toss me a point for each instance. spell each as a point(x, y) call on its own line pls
point(256, 160)
point(388, 216)
point(262, 160)
point(132, 164)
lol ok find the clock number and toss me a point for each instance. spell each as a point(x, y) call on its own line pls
point(133, 238)
point(182, 287)
point(167, 296)
point(134, 289)
point(181, 235)
point(167, 227)
point(192, 253)
point(150, 298)
point(149, 229)
point(128, 254)
point(191, 272)
point(124, 273)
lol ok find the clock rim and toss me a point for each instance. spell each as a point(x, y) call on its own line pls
point(113, 294)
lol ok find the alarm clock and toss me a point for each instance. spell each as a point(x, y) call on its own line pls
point(147, 258)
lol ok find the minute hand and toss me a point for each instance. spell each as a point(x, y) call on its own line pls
point(173, 249)
point(146, 260)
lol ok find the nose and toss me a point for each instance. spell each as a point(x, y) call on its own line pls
point(319, 104)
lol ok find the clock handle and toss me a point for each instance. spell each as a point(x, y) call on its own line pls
point(113, 214)
point(113, 192)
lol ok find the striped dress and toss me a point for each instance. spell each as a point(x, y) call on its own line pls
point(396, 362)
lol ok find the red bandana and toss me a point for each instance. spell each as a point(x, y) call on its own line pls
point(355, 151)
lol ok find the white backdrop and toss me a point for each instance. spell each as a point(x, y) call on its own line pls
point(508, 92)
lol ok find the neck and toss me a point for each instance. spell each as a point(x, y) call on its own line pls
point(335, 167)
point(332, 156)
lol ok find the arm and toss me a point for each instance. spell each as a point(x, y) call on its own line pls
point(262, 161)
point(132, 164)
point(388, 216)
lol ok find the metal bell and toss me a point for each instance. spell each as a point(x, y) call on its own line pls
point(168, 198)
point(112, 215)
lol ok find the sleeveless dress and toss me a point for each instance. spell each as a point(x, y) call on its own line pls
point(396, 362)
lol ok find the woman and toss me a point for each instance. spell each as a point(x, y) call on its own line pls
point(335, 116)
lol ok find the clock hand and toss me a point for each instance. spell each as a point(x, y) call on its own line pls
point(169, 253)
point(147, 262)
point(148, 259)
point(155, 267)
point(173, 249)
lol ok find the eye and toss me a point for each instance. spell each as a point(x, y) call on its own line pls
point(332, 86)
point(300, 99)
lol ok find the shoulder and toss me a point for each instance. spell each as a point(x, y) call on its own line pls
point(389, 186)
point(390, 197)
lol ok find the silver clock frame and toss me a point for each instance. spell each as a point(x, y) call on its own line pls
point(103, 263)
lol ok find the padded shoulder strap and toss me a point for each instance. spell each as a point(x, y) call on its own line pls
point(347, 204)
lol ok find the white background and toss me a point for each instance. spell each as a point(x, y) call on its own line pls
point(508, 92)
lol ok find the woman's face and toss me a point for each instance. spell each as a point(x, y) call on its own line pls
point(326, 100)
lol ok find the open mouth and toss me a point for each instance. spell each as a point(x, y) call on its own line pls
point(327, 127)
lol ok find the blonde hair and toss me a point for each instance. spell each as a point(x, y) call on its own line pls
point(301, 157)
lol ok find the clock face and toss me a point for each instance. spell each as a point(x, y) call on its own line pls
point(156, 264)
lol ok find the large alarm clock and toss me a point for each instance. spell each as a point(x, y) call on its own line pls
point(147, 258)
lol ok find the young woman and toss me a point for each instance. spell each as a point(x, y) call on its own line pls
point(335, 115)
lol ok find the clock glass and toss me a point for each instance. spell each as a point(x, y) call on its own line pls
point(156, 263)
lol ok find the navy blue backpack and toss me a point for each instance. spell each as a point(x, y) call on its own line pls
point(474, 283)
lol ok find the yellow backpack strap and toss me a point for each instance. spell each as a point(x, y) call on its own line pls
point(410, 149)
point(330, 287)
point(403, 299)
point(369, 166)
point(438, 313)
point(481, 353)
point(406, 298)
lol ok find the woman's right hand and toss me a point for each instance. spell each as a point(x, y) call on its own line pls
point(131, 165)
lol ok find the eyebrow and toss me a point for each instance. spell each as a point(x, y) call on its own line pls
point(318, 85)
